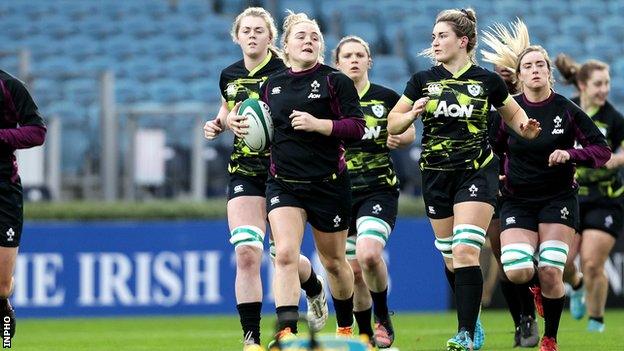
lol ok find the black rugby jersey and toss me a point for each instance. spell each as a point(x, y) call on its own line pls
point(455, 119)
point(526, 165)
point(602, 182)
point(237, 84)
point(325, 93)
point(368, 159)
point(21, 124)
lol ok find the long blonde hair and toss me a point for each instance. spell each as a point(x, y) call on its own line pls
point(290, 21)
point(464, 23)
point(510, 46)
point(268, 19)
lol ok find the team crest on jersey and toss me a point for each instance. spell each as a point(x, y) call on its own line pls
point(557, 129)
point(474, 89)
point(231, 90)
point(378, 110)
point(434, 88)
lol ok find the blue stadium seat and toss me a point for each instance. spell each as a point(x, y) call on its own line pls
point(140, 27)
point(617, 67)
point(68, 111)
point(184, 68)
point(206, 90)
point(96, 65)
point(560, 44)
point(305, 6)
point(99, 27)
point(82, 91)
point(604, 48)
point(577, 26)
point(143, 69)
point(46, 91)
point(612, 26)
point(616, 8)
point(129, 91)
point(59, 66)
point(195, 9)
point(167, 90)
point(417, 29)
point(540, 28)
point(555, 9)
point(366, 30)
point(392, 68)
point(80, 47)
point(590, 9)
point(511, 7)
point(117, 47)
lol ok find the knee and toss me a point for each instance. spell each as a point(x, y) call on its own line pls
point(6, 285)
point(465, 254)
point(248, 257)
point(357, 272)
point(286, 257)
point(550, 276)
point(593, 268)
point(520, 276)
point(368, 257)
point(334, 265)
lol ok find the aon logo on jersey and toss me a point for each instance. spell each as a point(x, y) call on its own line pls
point(371, 133)
point(453, 110)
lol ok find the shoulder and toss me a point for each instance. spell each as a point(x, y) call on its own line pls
point(234, 70)
point(560, 100)
point(611, 111)
point(381, 92)
point(11, 82)
point(274, 65)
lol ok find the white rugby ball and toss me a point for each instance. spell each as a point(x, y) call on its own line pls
point(260, 131)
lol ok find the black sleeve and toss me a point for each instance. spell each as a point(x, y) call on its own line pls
point(21, 103)
point(498, 92)
point(346, 95)
point(617, 131)
point(391, 98)
point(263, 92)
point(595, 152)
point(497, 134)
point(222, 86)
point(413, 88)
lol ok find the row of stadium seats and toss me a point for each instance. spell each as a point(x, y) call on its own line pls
point(172, 51)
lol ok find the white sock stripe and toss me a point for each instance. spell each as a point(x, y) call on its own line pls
point(554, 244)
point(372, 222)
point(247, 235)
point(469, 228)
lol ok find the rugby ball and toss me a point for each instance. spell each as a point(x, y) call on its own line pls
point(260, 131)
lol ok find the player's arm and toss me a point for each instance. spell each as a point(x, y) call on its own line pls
point(217, 125)
point(21, 107)
point(404, 113)
point(402, 140)
point(516, 118)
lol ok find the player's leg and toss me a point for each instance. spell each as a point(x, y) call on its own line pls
point(313, 286)
point(470, 223)
point(595, 250)
point(287, 226)
point(573, 276)
point(555, 241)
point(362, 301)
point(11, 223)
point(246, 219)
point(374, 224)
point(331, 250)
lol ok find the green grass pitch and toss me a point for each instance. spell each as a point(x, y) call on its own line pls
point(420, 332)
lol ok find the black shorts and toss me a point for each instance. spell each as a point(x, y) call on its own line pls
point(528, 214)
point(327, 203)
point(11, 213)
point(443, 189)
point(607, 216)
point(382, 204)
point(243, 185)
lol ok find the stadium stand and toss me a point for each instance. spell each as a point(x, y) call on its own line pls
point(173, 51)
